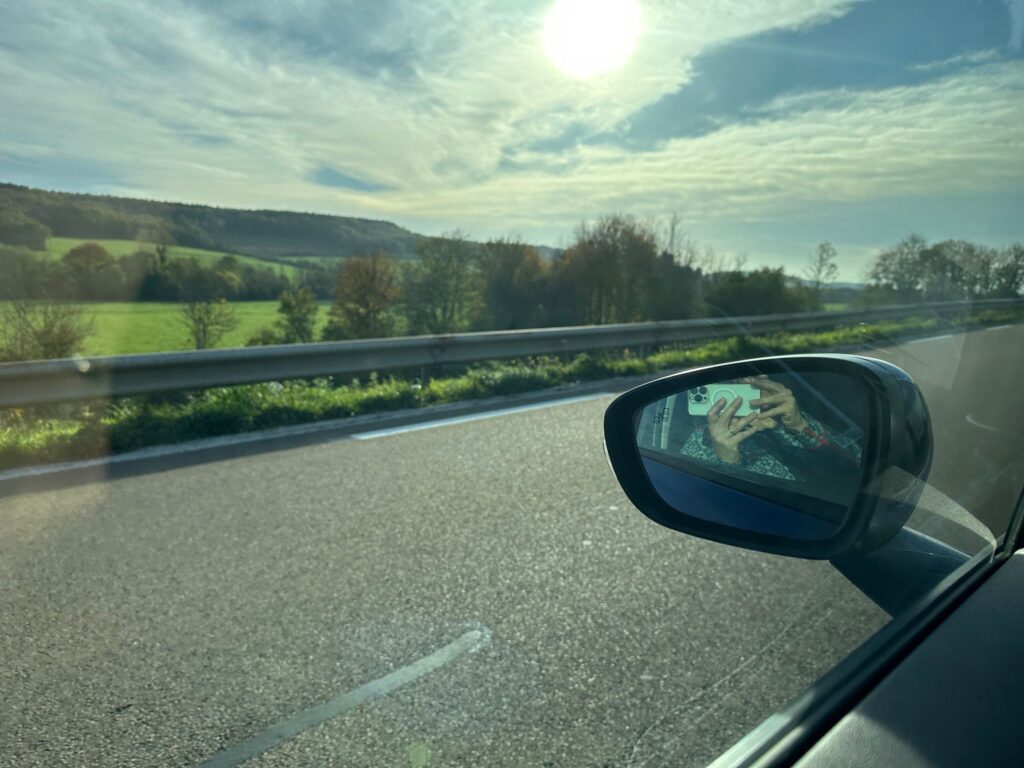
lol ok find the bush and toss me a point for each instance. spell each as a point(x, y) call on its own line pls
point(74, 432)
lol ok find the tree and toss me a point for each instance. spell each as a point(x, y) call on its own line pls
point(673, 291)
point(297, 309)
point(33, 330)
point(605, 274)
point(208, 321)
point(93, 273)
point(440, 289)
point(1008, 273)
point(512, 278)
point(365, 296)
point(897, 271)
point(821, 270)
point(759, 292)
point(18, 229)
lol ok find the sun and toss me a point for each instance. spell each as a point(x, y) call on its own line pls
point(590, 37)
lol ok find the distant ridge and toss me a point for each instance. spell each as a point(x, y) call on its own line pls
point(272, 235)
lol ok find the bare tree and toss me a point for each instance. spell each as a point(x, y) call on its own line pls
point(208, 321)
point(38, 330)
point(678, 243)
point(821, 269)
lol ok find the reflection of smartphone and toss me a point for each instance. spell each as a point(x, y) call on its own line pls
point(701, 399)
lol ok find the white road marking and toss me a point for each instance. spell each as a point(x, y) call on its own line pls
point(998, 327)
point(292, 726)
point(931, 338)
point(474, 417)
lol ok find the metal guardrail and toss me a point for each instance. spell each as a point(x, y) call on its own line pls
point(72, 379)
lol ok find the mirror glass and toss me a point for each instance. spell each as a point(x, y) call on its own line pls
point(779, 454)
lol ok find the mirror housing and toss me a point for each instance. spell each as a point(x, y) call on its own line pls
point(893, 444)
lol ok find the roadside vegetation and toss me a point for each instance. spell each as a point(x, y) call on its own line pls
point(77, 431)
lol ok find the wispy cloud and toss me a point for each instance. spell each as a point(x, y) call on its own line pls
point(448, 114)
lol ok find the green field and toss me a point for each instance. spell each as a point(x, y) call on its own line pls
point(124, 328)
point(58, 246)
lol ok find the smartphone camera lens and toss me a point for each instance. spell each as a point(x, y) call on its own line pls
point(702, 390)
point(699, 398)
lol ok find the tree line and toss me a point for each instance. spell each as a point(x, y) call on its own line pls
point(951, 270)
point(618, 269)
point(88, 272)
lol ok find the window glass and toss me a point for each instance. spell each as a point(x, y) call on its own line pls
point(220, 543)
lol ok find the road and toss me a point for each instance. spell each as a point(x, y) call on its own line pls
point(160, 619)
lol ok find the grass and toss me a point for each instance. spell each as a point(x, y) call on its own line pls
point(126, 328)
point(56, 247)
point(74, 431)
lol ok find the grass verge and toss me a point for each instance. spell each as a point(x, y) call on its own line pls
point(43, 435)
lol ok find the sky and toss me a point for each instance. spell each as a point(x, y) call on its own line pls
point(767, 126)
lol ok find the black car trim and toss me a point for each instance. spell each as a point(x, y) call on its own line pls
point(786, 736)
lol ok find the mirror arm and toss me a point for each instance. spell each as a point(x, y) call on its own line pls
point(902, 570)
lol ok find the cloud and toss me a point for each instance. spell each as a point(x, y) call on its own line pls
point(448, 114)
point(275, 96)
point(957, 135)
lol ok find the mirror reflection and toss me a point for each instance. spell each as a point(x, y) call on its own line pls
point(794, 441)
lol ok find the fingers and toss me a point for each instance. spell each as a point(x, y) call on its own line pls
point(730, 411)
point(739, 437)
point(781, 410)
point(742, 423)
point(770, 400)
point(716, 409)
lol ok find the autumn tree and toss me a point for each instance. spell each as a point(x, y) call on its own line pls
point(365, 296)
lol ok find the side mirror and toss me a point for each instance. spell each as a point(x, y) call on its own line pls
point(804, 455)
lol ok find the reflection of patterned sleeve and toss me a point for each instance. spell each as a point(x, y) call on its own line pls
point(817, 435)
point(698, 446)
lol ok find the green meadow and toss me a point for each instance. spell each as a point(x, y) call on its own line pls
point(58, 246)
point(125, 328)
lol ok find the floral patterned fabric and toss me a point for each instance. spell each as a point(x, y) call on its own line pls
point(754, 455)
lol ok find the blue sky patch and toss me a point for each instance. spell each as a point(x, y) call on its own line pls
point(331, 177)
point(877, 44)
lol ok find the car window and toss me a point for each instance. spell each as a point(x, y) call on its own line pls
point(310, 313)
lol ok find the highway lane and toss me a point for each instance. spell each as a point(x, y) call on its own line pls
point(156, 620)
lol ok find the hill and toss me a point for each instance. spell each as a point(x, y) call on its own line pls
point(269, 235)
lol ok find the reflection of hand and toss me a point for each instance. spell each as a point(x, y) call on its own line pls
point(727, 432)
point(777, 401)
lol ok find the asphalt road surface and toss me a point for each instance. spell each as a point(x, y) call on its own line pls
point(512, 607)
